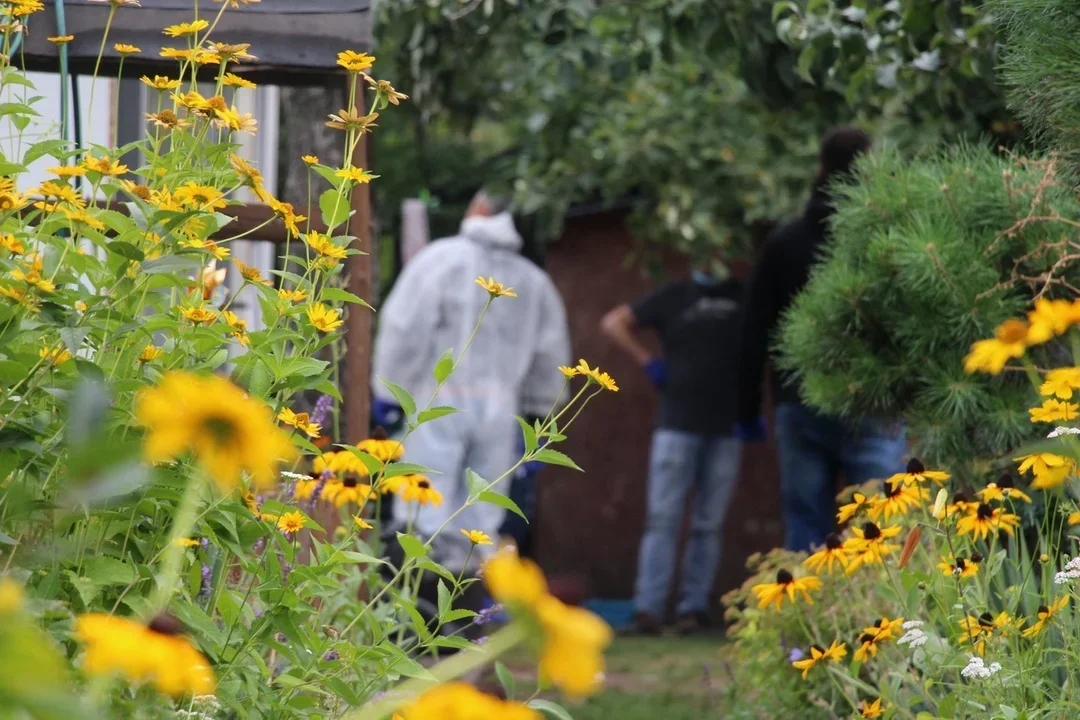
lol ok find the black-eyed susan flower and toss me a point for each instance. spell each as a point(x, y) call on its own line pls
point(323, 318)
point(419, 490)
point(1053, 410)
point(873, 709)
point(1050, 470)
point(833, 653)
point(1001, 490)
point(381, 447)
point(1061, 382)
point(916, 473)
point(959, 567)
point(495, 289)
point(831, 554)
point(477, 537)
point(1010, 341)
point(156, 653)
point(1045, 615)
point(897, 498)
point(859, 503)
point(873, 636)
point(786, 585)
point(1050, 318)
point(870, 545)
point(291, 522)
point(305, 488)
point(228, 431)
point(457, 701)
point(977, 631)
point(985, 520)
point(300, 421)
point(348, 491)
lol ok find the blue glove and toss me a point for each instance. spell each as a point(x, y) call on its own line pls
point(656, 371)
point(752, 432)
point(386, 413)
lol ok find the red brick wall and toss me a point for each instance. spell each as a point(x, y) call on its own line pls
point(589, 524)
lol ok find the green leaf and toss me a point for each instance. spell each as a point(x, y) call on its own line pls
point(554, 457)
point(405, 400)
point(170, 264)
point(334, 207)
point(506, 679)
point(401, 468)
point(444, 365)
point(528, 433)
point(411, 545)
point(444, 599)
point(435, 413)
point(332, 294)
point(502, 501)
point(104, 570)
point(372, 463)
point(550, 708)
point(127, 250)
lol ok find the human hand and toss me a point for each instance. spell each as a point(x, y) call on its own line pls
point(752, 432)
point(656, 371)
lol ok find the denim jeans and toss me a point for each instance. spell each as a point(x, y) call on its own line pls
point(681, 461)
point(813, 450)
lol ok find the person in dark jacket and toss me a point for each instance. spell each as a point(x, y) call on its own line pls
point(813, 449)
point(693, 449)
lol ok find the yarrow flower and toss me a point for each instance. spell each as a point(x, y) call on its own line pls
point(913, 637)
point(1060, 431)
point(1071, 571)
point(977, 668)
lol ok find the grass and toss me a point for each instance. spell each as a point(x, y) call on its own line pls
point(668, 678)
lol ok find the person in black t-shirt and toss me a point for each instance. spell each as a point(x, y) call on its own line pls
point(697, 322)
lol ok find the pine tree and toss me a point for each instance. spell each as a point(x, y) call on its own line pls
point(926, 258)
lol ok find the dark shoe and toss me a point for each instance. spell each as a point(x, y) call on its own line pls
point(693, 624)
point(644, 624)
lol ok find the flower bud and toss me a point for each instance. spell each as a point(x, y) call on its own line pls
point(939, 503)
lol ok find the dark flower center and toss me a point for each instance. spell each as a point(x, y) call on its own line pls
point(1005, 481)
point(892, 489)
point(960, 564)
point(349, 482)
point(914, 467)
point(221, 429)
point(986, 620)
point(871, 531)
point(985, 512)
point(379, 433)
point(1043, 610)
point(877, 623)
point(166, 624)
point(783, 577)
point(976, 557)
point(818, 648)
point(833, 541)
point(960, 497)
point(866, 638)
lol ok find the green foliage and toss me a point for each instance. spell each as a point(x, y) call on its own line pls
point(928, 257)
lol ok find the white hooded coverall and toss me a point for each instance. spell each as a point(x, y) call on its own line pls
point(511, 367)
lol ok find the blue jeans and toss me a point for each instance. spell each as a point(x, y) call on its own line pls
point(813, 450)
point(678, 462)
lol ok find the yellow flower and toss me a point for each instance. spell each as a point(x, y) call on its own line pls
point(80, 306)
point(288, 216)
point(834, 652)
point(361, 523)
point(19, 295)
point(1074, 518)
point(356, 175)
point(979, 630)
point(916, 472)
point(786, 583)
point(11, 596)
point(233, 320)
point(218, 251)
point(859, 503)
point(381, 447)
point(419, 490)
point(384, 89)
point(186, 542)
point(233, 119)
point(572, 656)
point(568, 371)
point(304, 489)
point(352, 120)
point(1061, 382)
point(251, 274)
point(125, 49)
point(269, 517)
point(1054, 410)
point(1049, 319)
point(160, 82)
point(460, 701)
point(986, 519)
point(57, 355)
point(200, 197)
point(1044, 616)
point(192, 101)
point(870, 545)
point(825, 558)
point(310, 159)
point(66, 171)
point(247, 172)
point(226, 51)
point(60, 39)
point(149, 354)
point(1001, 490)
point(198, 314)
point(233, 80)
point(1050, 470)
point(514, 581)
point(355, 61)
point(300, 421)
point(104, 165)
point(1009, 341)
point(185, 29)
point(228, 431)
point(960, 567)
point(349, 490)
point(293, 296)
point(477, 537)
point(871, 637)
point(323, 318)
point(897, 499)
point(155, 654)
point(324, 246)
point(291, 522)
point(872, 710)
point(495, 289)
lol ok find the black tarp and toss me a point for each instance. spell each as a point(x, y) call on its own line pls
point(296, 41)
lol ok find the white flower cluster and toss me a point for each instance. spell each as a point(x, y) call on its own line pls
point(914, 637)
point(201, 707)
point(1071, 572)
point(977, 668)
point(295, 476)
point(1059, 431)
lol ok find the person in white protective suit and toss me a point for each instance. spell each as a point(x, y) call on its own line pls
point(510, 369)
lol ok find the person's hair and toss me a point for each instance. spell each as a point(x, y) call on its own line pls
point(496, 203)
point(840, 148)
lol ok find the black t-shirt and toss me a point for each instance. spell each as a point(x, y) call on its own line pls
point(698, 327)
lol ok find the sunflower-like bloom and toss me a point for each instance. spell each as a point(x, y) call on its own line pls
point(381, 447)
point(833, 653)
point(477, 537)
point(160, 82)
point(228, 431)
point(104, 165)
point(859, 503)
point(960, 567)
point(355, 175)
point(871, 637)
point(979, 630)
point(1045, 615)
point(149, 354)
point(916, 473)
point(897, 499)
point(354, 61)
point(1049, 319)
point(786, 585)
point(323, 318)
point(291, 522)
point(872, 709)
point(324, 246)
point(828, 556)
point(304, 489)
point(1010, 341)
point(186, 29)
point(596, 375)
point(1061, 382)
point(1002, 490)
point(1050, 470)
point(349, 490)
point(985, 520)
point(300, 421)
point(461, 701)
point(495, 289)
point(870, 545)
point(418, 489)
point(156, 653)
point(1053, 410)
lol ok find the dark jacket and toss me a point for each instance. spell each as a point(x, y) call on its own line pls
point(780, 272)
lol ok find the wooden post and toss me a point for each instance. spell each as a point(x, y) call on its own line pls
point(358, 337)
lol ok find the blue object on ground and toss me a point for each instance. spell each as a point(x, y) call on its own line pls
point(616, 613)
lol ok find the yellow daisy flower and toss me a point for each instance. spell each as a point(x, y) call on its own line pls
point(1061, 382)
point(1050, 470)
point(495, 289)
point(832, 553)
point(186, 29)
point(786, 584)
point(419, 490)
point(323, 318)
point(1010, 341)
point(291, 522)
point(300, 421)
point(833, 653)
point(477, 537)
